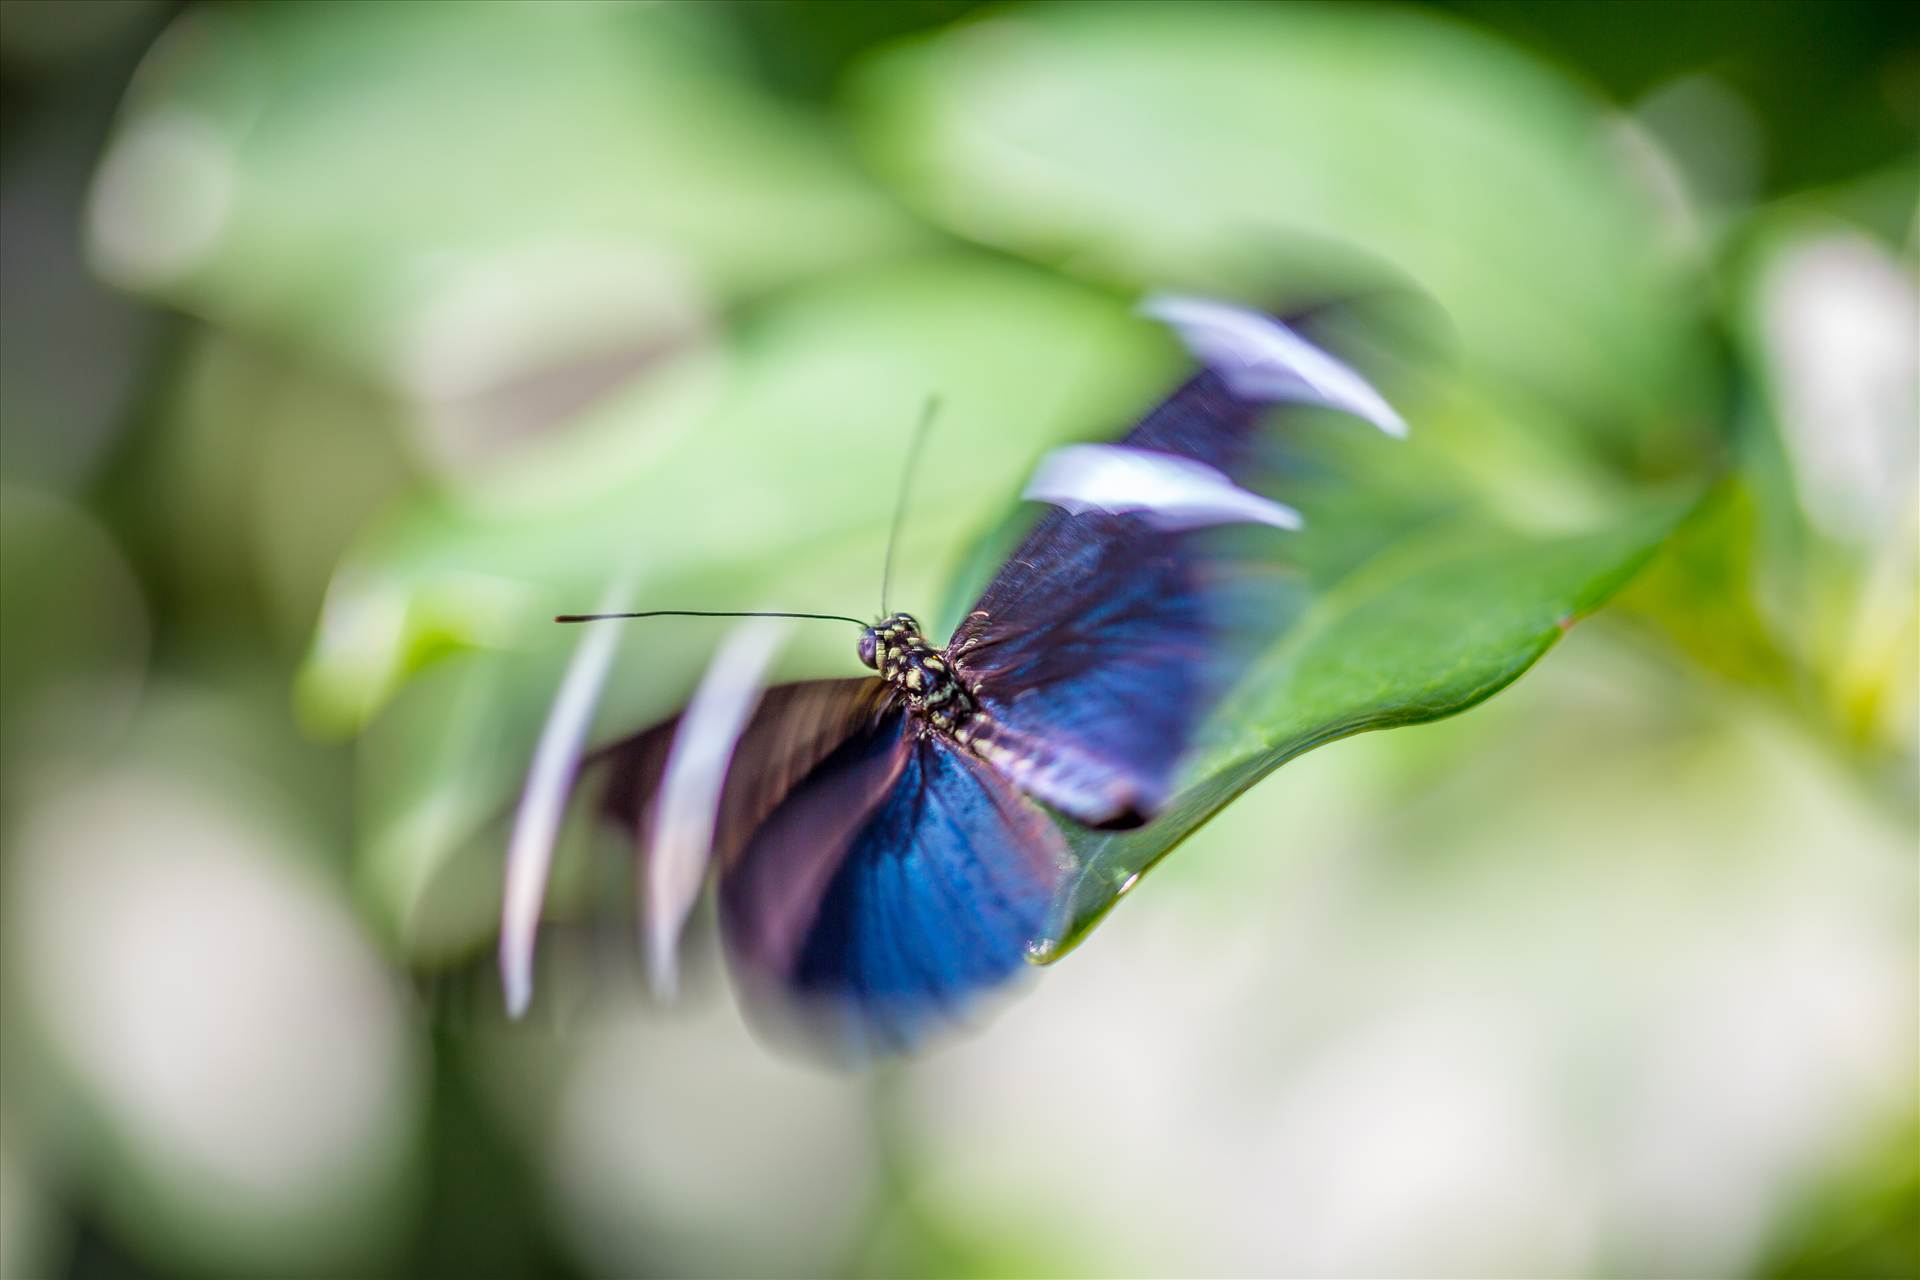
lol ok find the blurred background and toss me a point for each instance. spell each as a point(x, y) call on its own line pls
point(344, 344)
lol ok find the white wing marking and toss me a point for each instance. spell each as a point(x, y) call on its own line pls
point(1262, 359)
point(1171, 491)
point(687, 806)
point(542, 804)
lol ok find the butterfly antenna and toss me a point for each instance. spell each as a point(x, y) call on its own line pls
point(900, 503)
point(705, 613)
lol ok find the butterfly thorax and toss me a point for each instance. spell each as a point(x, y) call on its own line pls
point(923, 677)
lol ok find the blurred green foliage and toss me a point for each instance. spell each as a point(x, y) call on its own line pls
point(345, 344)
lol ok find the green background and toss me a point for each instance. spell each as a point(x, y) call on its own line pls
point(345, 344)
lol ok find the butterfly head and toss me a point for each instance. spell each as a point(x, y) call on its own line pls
point(897, 634)
point(925, 681)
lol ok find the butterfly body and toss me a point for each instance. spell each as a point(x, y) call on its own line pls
point(928, 682)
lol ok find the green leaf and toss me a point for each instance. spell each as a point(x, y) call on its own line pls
point(1430, 626)
point(1254, 149)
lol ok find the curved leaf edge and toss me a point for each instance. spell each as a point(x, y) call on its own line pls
point(1197, 804)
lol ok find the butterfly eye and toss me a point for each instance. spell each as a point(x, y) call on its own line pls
point(869, 645)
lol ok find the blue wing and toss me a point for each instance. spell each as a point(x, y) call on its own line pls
point(1105, 639)
point(896, 883)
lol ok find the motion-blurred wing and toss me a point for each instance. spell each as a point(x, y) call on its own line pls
point(1096, 651)
point(1109, 634)
point(896, 882)
point(794, 728)
point(1098, 647)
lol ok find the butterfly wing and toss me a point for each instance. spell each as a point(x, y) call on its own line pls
point(895, 883)
point(872, 879)
point(1107, 636)
point(1101, 643)
point(793, 728)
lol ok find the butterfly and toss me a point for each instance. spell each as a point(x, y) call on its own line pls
point(886, 848)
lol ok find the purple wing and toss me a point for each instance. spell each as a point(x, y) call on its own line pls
point(1103, 641)
point(897, 882)
point(1205, 421)
point(794, 728)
